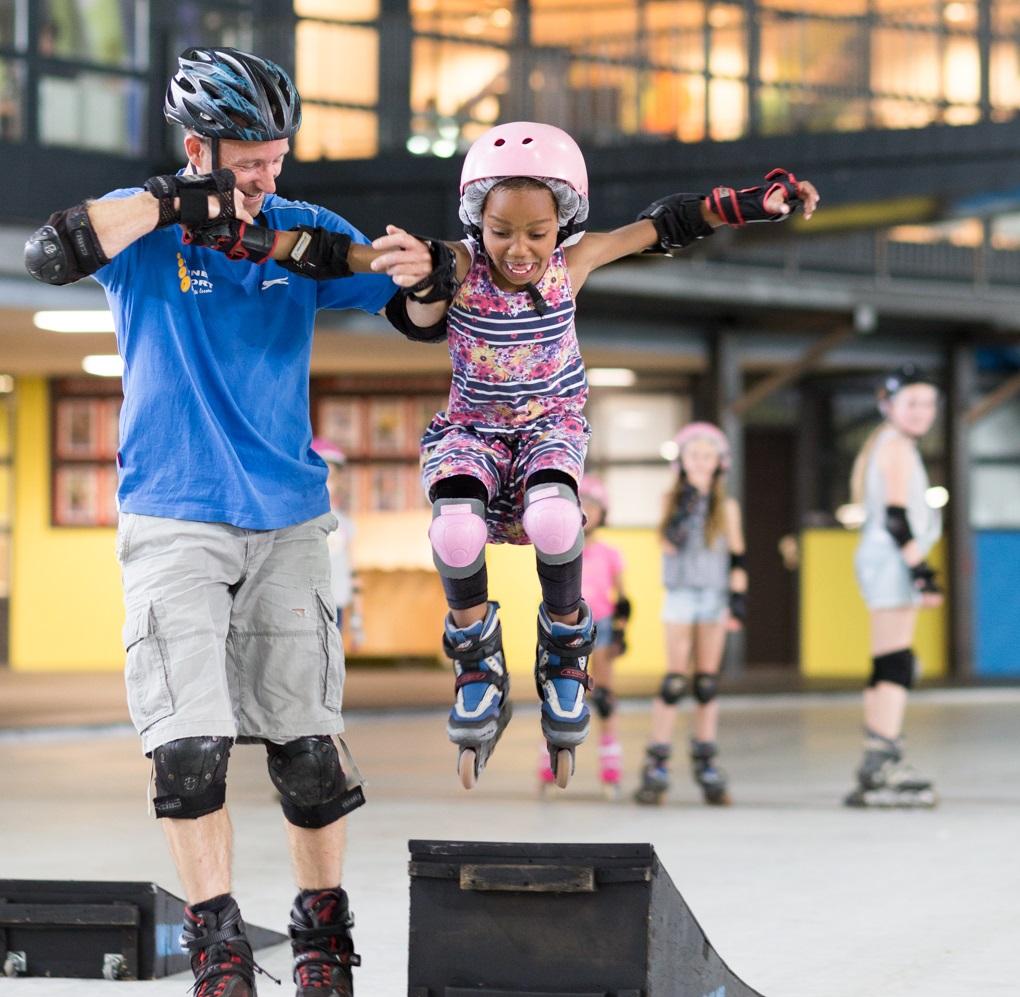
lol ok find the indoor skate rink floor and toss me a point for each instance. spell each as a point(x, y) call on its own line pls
point(801, 896)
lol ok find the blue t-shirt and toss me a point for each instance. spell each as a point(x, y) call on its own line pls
point(215, 424)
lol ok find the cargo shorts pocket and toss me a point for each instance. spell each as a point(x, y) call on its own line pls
point(148, 690)
point(333, 652)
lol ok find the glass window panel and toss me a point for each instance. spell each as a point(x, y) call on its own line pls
point(838, 8)
point(196, 22)
point(905, 64)
point(336, 133)
point(108, 32)
point(602, 101)
point(449, 78)
point(998, 434)
point(321, 48)
point(92, 111)
point(901, 113)
point(913, 12)
point(790, 109)
point(727, 109)
point(12, 89)
point(633, 425)
point(472, 20)
point(961, 71)
point(11, 18)
point(1006, 17)
point(812, 51)
point(583, 26)
point(1005, 76)
point(338, 10)
point(679, 46)
point(635, 493)
point(728, 55)
point(673, 105)
point(993, 492)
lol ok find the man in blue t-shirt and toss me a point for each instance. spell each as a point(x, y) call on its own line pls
point(230, 631)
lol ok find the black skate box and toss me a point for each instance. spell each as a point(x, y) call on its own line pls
point(554, 920)
point(96, 930)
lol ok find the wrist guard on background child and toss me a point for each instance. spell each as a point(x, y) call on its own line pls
point(924, 579)
point(678, 222)
point(738, 207)
point(237, 239)
point(676, 529)
point(738, 606)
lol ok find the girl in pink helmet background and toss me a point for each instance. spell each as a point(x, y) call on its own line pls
point(503, 461)
point(706, 584)
point(603, 590)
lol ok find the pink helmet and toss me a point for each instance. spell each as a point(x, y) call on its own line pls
point(527, 149)
point(328, 451)
point(593, 488)
point(704, 431)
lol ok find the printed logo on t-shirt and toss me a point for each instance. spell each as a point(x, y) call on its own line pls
point(193, 279)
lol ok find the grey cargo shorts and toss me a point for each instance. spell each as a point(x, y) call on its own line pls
point(229, 632)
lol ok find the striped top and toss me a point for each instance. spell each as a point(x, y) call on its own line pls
point(511, 365)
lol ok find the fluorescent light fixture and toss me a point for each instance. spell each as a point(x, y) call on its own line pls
point(611, 377)
point(936, 497)
point(103, 365)
point(418, 145)
point(71, 321)
point(444, 148)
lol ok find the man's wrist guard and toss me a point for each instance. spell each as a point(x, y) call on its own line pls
point(738, 606)
point(441, 284)
point(237, 239)
point(65, 249)
point(924, 579)
point(319, 254)
point(396, 313)
point(192, 190)
point(738, 561)
point(738, 207)
point(678, 222)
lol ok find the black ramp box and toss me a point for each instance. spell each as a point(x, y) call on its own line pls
point(496, 919)
point(95, 930)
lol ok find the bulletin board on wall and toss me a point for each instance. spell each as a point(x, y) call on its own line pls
point(378, 424)
point(84, 436)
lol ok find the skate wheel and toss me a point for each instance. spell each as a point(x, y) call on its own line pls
point(649, 798)
point(562, 762)
point(467, 768)
point(722, 799)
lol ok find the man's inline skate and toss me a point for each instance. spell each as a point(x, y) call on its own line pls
point(885, 779)
point(482, 708)
point(561, 677)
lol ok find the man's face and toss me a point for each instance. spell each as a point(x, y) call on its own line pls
point(256, 165)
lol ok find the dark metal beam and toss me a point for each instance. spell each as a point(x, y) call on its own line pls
point(961, 539)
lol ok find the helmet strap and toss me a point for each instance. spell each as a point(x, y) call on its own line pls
point(215, 150)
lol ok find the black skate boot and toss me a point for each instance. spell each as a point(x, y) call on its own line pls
point(482, 708)
point(654, 775)
point(884, 779)
point(711, 779)
point(562, 680)
point(221, 957)
point(320, 931)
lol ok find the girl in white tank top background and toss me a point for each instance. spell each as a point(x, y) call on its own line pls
point(899, 530)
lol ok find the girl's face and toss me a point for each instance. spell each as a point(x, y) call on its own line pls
point(519, 233)
point(912, 409)
point(700, 461)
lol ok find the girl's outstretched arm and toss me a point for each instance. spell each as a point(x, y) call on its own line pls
point(674, 222)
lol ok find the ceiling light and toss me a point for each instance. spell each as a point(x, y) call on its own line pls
point(936, 497)
point(611, 377)
point(70, 321)
point(851, 516)
point(103, 365)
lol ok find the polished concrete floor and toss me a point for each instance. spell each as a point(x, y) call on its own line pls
point(800, 896)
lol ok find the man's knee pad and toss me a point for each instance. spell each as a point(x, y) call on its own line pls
point(311, 782)
point(552, 520)
point(191, 776)
point(897, 667)
point(458, 534)
point(706, 687)
point(673, 688)
point(604, 701)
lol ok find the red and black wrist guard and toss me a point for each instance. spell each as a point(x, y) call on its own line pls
point(236, 239)
point(739, 207)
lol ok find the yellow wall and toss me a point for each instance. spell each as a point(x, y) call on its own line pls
point(514, 584)
point(66, 609)
point(834, 619)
